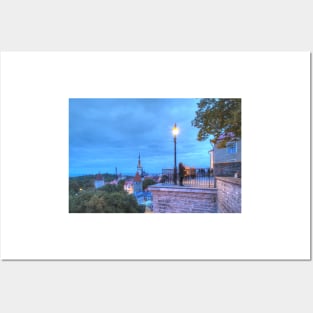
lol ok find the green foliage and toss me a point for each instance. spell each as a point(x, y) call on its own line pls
point(121, 183)
point(73, 186)
point(108, 177)
point(218, 117)
point(101, 201)
point(142, 208)
point(147, 182)
point(111, 188)
point(86, 182)
point(81, 182)
point(79, 203)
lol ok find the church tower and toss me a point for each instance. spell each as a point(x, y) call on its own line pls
point(137, 183)
point(138, 178)
point(139, 167)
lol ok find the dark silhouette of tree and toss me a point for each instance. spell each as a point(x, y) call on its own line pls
point(111, 188)
point(147, 182)
point(219, 118)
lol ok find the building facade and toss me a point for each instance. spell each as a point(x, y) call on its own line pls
point(137, 183)
point(99, 181)
point(129, 186)
point(139, 167)
point(227, 161)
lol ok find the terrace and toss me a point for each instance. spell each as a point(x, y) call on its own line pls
point(194, 178)
point(201, 193)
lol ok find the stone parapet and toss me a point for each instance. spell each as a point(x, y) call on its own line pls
point(231, 180)
point(177, 199)
point(228, 194)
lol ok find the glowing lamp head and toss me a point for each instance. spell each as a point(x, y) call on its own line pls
point(175, 130)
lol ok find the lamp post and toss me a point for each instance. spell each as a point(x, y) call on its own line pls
point(175, 132)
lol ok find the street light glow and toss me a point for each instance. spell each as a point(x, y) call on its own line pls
point(175, 130)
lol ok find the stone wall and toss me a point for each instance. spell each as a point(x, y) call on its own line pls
point(227, 169)
point(175, 199)
point(228, 194)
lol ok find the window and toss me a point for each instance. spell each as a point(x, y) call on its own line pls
point(231, 147)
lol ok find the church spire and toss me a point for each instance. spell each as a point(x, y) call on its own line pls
point(139, 167)
point(139, 164)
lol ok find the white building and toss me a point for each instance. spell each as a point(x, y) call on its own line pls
point(99, 181)
point(227, 161)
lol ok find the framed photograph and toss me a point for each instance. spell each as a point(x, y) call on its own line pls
point(192, 165)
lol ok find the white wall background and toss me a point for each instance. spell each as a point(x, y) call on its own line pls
point(156, 286)
point(35, 92)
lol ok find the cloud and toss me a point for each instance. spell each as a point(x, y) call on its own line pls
point(104, 133)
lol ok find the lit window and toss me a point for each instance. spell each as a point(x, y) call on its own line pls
point(232, 147)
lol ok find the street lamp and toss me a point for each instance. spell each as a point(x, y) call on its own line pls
point(175, 132)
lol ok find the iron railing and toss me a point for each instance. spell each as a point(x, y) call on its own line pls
point(194, 177)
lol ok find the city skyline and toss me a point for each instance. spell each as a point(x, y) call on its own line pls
point(109, 133)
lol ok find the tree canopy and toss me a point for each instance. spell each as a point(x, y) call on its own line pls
point(218, 120)
point(147, 182)
point(101, 201)
point(110, 198)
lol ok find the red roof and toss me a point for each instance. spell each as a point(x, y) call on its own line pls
point(99, 177)
point(137, 178)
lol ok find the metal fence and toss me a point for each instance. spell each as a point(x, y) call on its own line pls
point(194, 177)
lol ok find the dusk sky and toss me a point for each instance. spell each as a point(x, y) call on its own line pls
point(109, 133)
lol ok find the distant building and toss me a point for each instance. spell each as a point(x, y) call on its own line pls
point(139, 167)
point(227, 161)
point(99, 181)
point(114, 182)
point(135, 186)
point(137, 183)
point(129, 186)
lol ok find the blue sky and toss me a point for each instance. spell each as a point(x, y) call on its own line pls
point(109, 133)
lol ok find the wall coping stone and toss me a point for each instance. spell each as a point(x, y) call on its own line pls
point(175, 188)
point(227, 162)
point(232, 180)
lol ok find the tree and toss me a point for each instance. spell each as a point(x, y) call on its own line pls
point(111, 188)
point(218, 119)
point(79, 203)
point(101, 201)
point(73, 186)
point(81, 182)
point(147, 182)
point(121, 183)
